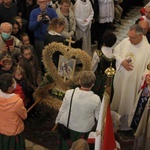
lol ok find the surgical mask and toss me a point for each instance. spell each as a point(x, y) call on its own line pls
point(5, 35)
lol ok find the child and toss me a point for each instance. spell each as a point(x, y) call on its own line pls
point(24, 38)
point(29, 63)
point(6, 64)
point(102, 59)
point(20, 84)
point(12, 114)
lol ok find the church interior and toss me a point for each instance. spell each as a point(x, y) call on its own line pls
point(121, 33)
point(40, 131)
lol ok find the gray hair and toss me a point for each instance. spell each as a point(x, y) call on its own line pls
point(5, 24)
point(87, 79)
point(137, 28)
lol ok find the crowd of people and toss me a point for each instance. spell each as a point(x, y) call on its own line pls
point(26, 26)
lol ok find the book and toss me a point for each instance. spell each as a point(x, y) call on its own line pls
point(9, 42)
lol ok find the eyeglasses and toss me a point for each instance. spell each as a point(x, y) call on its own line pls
point(132, 37)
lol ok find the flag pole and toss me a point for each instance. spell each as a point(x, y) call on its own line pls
point(38, 94)
point(110, 72)
point(99, 139)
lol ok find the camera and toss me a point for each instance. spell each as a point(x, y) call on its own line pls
point(44, 19)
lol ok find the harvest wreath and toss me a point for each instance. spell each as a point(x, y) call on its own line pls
point(42, 94)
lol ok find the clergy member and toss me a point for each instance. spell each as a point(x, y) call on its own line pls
point(132, 56)
point(84, 14)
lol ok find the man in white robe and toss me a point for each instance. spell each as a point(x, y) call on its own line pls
point(106, 11)
point(105, 19)
point(132, 56)
point(84, 14)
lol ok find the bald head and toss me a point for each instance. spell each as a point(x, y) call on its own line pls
point(147, 12)
point(6, 27)
point(145, 26)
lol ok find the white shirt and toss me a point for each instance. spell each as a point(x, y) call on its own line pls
point(107, 51)
point(85, 108)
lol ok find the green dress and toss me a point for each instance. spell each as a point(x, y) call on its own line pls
point(16, 142)
point(66, 144)
point(101, 77)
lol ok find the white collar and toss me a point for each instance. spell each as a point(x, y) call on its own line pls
point(6, 95)
point(53, 33)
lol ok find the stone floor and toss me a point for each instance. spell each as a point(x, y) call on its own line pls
point(121, 33)
point(32, 146)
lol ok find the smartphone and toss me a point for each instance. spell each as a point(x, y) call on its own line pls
point(9, 42)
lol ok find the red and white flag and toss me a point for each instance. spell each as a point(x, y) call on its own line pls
point(104, 138)
point(108, 141)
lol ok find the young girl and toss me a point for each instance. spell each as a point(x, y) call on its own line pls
point(20, 84)
point(102, 59)
point(24, 38)
point(6, 64)
point(29, 63)
point(12, 114)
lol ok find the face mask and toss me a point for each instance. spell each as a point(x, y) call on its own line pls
point(5, 35)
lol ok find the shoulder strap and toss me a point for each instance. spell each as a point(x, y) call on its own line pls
point(70, 108)
point(99, 53)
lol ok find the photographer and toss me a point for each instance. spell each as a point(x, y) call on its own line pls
point(39, 20)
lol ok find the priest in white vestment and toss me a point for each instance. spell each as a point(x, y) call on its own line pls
point(132, 56)
point(106, 11)
point(105, 18)
point(84, 14)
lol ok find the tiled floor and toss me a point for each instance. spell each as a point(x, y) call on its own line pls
point(32, 146)
point(121, 33)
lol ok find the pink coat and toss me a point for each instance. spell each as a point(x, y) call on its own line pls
point(12, 114)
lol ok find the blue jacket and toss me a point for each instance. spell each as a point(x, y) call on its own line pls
point(40, 28)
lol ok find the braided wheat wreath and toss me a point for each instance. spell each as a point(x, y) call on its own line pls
point(59, 84)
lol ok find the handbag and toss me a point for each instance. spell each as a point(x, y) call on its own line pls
point(62, 129)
